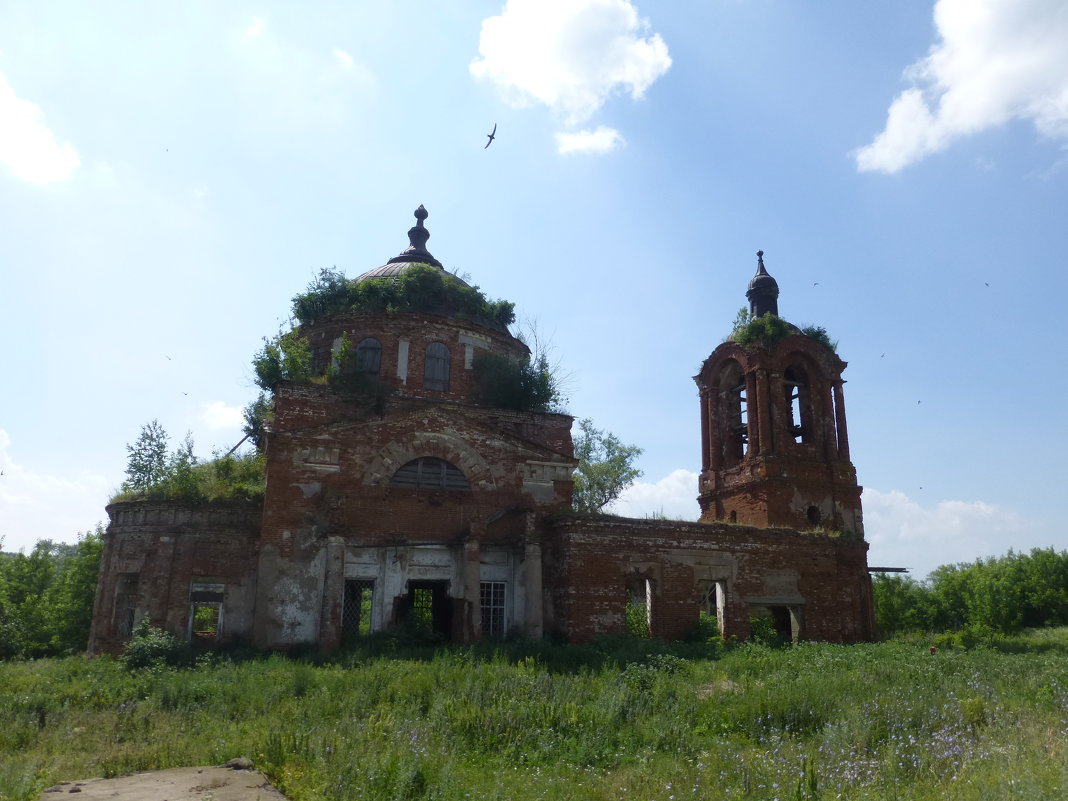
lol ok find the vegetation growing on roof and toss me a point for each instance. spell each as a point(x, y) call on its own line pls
point(766, 330)
point(819, 333)
point(763, 331)
point(507, 383)
point(154, 472)
point(419, 288)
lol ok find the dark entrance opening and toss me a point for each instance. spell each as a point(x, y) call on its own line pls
point(427, 609)
point(783, 623)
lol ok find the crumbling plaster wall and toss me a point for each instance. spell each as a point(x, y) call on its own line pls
point(329, 468)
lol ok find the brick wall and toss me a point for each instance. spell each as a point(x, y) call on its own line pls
point(589, 560)
point(160, 549)
point(404, 338)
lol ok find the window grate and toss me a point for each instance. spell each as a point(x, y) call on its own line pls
point(356, 609)
point(430, 473)
point(493, 599)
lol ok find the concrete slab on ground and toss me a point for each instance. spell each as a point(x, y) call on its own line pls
point(177, 784)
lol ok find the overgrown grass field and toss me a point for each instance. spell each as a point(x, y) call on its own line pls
point(620, 720)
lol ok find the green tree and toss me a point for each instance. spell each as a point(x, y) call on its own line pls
point(182, 480)
point(508, 383)
point(146, 463)
point(73, 592)
point(46, 597)
point(901, 604)
point(286, 357)
point(605, 469)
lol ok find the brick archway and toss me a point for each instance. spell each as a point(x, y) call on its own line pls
point(440, 445)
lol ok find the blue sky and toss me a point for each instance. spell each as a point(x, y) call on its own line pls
point(172, 174)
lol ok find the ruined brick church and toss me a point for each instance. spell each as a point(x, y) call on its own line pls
point(434, 509)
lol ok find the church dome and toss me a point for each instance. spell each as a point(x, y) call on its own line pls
point(415, 253)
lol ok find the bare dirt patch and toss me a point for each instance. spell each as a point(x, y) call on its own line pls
point(178, 784)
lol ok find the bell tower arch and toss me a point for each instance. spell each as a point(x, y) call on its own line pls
point(774, 445)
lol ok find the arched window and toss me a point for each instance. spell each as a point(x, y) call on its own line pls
point(369, 356)
point(798, 403)
point(428, 472)
point(734, 417)
point(436, 367)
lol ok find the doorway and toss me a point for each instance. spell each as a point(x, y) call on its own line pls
point(427, 609)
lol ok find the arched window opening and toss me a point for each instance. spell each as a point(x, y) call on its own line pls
point(734, 414)
point(369, 356)
point(814, 516)
point(436, 367)
point(798, 404)
point(639, 612)
point(430, 473)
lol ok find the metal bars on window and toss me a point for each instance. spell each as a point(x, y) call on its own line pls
point(428, 472)
point(493, 600)
point(356, 608)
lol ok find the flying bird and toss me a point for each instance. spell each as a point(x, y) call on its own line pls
point(491, 136)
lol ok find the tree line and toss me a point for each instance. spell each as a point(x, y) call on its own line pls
point(1002, 594)
point(46, 597)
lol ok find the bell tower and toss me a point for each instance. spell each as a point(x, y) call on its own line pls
point(774, 447)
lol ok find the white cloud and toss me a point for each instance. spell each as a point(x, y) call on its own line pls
point(34, 506)
point(255, 29)
point(27, 146)
point(344, 57)
point(569, 55)
point(218, 415)
point(599, 140)
point(998, 60)
point(902, 533)
point(674, 496)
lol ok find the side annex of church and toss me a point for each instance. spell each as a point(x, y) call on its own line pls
point(428, 508)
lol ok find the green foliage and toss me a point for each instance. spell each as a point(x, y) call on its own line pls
point(286, 357)
point(506, 383)
point(529, 721)
point(152, 647)
point(420, 288)
point(762, 331)
point(1003, 594)
point(605, 469)
point(146, 462)
point(256, 415)
point(762, 631)
point(638, 620)
point(46, 597)
point(765, 331)
point(705, 629)
point(184, 478)
point(819, 333)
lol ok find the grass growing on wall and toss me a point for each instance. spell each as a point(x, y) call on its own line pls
point(812, 721)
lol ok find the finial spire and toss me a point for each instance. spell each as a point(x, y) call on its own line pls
point(763, 293)
point(417, 237)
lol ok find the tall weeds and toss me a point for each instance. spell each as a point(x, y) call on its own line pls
point(529, 721)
